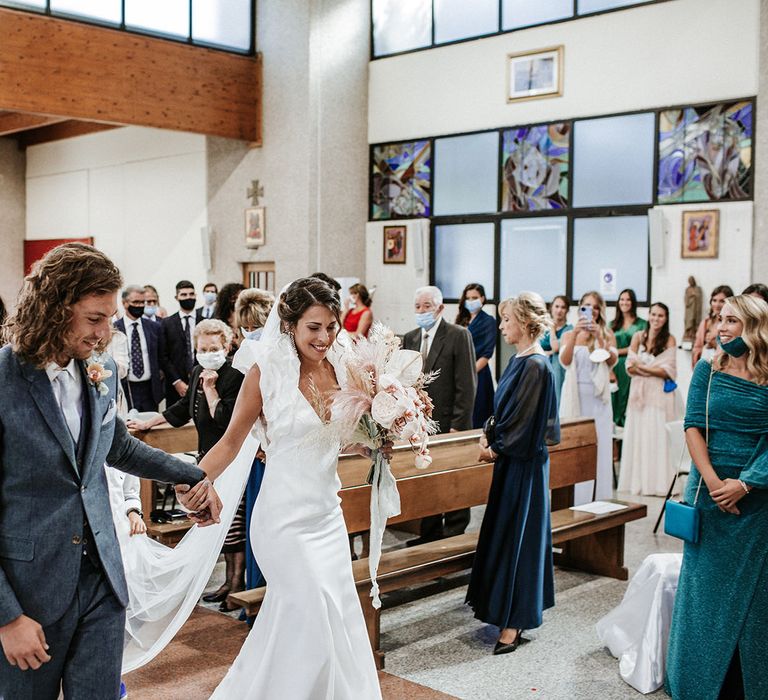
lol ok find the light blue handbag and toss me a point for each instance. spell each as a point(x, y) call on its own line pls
point(681, 519)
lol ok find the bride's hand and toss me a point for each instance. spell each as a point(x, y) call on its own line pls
point(387, 449)
point(357, 449)
point(193, 498)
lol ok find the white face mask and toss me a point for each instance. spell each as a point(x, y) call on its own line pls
point(251, 335)
point(211, 360)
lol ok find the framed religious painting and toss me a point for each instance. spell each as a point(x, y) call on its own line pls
point(255, 234)
point(701, 233)
point(394, 245)
point(532, 75)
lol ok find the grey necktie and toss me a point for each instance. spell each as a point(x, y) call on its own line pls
point(68, 408)
point(424, 346)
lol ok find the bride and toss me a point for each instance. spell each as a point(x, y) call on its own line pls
point(309, 639)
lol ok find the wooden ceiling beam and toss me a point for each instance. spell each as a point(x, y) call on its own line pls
point(14, 122)
point(83, 72)
point(62, 130)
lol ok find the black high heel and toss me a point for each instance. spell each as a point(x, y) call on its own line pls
point(504, 648)
point(217, 597)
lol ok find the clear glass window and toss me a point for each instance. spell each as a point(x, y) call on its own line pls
point(104, 10)
point(617, 244)
point(524, 13)
point(463, 254)
point(400, 25)
point(585, 7)
point(226, 23)
point(466, 174)
point(459, 19)
point(613, 160)
point(167, 17)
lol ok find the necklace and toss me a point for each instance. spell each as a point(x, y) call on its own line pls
point(529, 350)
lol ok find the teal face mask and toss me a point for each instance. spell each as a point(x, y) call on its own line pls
point(735, 348)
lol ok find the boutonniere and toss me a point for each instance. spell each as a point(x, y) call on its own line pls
point(97, 373)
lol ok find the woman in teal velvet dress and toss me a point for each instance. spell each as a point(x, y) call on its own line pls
point(624, 326)
point(717, 645)
point(558, 309)
point(512, 580)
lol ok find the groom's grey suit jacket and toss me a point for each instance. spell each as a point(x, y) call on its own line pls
point(48, 489)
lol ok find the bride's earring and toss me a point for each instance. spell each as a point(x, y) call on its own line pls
point(293, 341)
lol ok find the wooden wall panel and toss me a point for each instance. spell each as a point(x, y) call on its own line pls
point(78, 71)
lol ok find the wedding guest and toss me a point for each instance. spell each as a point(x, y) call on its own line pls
point(447, 349)
point(177, 354)
point(208, 309)
point(251, 312)
point(758, 289)
point(651, 362)
point(512, 580)
point(152, 309)
point(143, 385)
point(225, 306)
point(482, 326)
point(357, 316)
point(588, 352)
point(214, 385)
point(717, 641)
point(558, 309)
point(705, 343)
point(625, 325)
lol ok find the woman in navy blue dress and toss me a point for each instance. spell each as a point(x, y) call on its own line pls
point(512, 580)
point(482, 326)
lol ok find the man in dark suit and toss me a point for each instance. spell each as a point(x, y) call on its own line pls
point(177, 349)
point(62, 586)
point(449, 349)
point(208, 309)
point(143, 386)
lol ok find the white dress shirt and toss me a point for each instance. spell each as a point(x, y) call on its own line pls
point(71, 404)
point(129, 328)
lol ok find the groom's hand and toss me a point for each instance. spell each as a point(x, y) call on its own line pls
point(24, 644)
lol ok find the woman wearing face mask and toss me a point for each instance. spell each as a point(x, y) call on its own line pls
point(705, 343)
point(357, 316)
point(225, 311)
point(645, 458)
point(482, 326)
point(550, 343)
point(717, 640)
point(214, 385)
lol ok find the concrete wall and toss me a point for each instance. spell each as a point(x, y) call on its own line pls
point(12, 219)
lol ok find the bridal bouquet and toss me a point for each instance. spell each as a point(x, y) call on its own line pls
point(382, 398)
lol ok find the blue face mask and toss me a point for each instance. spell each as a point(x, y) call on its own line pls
point(150, 311)
point(210, 297)
point(425, 320)
point(735, 348)
point(473, 305)
point(251, 335)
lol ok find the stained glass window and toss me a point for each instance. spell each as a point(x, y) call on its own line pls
point(402, 180)
point(535, 167)
point(705, 153)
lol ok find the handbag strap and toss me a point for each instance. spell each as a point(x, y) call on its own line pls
point(706, 426)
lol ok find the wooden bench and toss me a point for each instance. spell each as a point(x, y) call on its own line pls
point(173, 441)
point(454, 480)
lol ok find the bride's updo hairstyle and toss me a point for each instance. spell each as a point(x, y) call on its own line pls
point(530, 311)
point(301, 295)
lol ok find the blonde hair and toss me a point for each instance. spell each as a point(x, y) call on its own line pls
point(602, 316)
point(252, 307)
point(212, 326)
point(753, 313)
point(530, 311)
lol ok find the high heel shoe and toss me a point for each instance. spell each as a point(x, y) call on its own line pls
point(508, 648)
point(217, 597)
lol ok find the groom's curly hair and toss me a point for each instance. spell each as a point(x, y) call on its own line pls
point(38, 328)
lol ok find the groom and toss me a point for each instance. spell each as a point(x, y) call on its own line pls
point(62, 587)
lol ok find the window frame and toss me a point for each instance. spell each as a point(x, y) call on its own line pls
point(121, 26)
point(570, 212)
point(433, 45)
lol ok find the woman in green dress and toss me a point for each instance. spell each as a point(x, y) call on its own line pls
point(717, 640)
point(624, 326)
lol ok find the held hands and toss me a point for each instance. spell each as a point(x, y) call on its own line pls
point(727, 493)
point(202, 500)
point(24, 644)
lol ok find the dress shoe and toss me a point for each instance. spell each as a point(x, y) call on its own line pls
point(502, 648)
point(217, 597)
point(226, 607)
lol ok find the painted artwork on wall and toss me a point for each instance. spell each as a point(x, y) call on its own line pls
point(705, 153)
point(394, 245)
point(535, 167)
point(402, 180)
point(535, 74)
point(255, 224)
point(701, 231)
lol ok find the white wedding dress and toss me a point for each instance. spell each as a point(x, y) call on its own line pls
point(309, 640)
